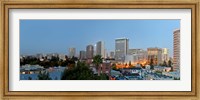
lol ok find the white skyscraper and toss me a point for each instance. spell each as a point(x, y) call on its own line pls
point(165, 54)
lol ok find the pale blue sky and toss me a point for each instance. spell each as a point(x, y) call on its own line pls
point(56, 36)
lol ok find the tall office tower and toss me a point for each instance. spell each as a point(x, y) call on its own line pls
point(100, 50)
point(176, 58)
point(72, 52)
point(112, 54)
point(155, 54)
point(121, 49)
point(165, 54)
point(89, 51)
point(82, 55)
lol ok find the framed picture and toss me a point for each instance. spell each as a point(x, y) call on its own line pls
point(113, 48)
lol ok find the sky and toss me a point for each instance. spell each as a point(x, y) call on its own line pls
point(57, 36)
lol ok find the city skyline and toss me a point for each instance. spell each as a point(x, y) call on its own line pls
point(65, 34)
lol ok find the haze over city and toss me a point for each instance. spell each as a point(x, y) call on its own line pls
point(57, 36)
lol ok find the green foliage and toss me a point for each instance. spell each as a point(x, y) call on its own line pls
point(151, 64)
point(29, 78)
point(102, 77)
point(159, 72)
point(176, 78)
point(81, 72)
point(164, 63)
point(114, 67)
point(29, 60)
point(129, 63)
point(97, 60)
point(46, 63)
point(170, 64)
point(132, 66)
point(44, 76)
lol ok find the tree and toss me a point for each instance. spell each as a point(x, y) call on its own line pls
point(44, 76)
point(151, 64)
point(29, 78)
point(102, 77)
point(176, 78)
point(129, 64)
point(164, 63)
point(74, 58)
point(114, 67)
point(80, 72)
point(97, 60)
point(170, 64)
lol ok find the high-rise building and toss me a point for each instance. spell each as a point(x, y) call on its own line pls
point(72, 52)
point(121, 49)
point(100, 50)
point(165, 54)
point(89, 51)
point(82, 55)
point(155, 54)
point(112, 54)
point(176, 55)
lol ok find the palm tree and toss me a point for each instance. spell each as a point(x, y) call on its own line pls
point(97, 60)
point(44, 76)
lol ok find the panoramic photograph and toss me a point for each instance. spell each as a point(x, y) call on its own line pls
point(100, 49)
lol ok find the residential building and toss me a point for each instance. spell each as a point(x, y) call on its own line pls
point(62, 57)
point(105, 68)
point(155, 54)
point(136, 56)
point(176, 55)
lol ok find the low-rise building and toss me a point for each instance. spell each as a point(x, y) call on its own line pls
point(155, 55)
point(136, 56)
point(105, 68)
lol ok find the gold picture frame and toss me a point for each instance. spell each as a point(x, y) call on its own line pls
point(43, 4)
